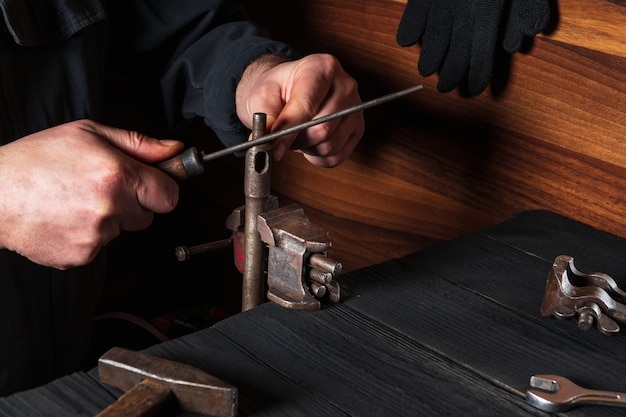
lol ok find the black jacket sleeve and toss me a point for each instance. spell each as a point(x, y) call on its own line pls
point(196, 52)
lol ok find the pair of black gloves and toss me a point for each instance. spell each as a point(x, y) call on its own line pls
point(459, 37)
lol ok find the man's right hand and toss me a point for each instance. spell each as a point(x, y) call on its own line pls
point(67, 191)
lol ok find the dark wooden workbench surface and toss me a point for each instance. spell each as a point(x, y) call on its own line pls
point(451, 330)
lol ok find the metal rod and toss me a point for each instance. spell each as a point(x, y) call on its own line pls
point(271, 136)
point(325, 264)
point(183, 253)
point(257, 191)
point(317, 275)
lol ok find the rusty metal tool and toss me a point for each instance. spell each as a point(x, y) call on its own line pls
point(191, 162)
point(296, 266)
point(553, 393)
point(257, 177)
point(298, 271)
point(183, 253)
point(591, 298)
point(151, 382)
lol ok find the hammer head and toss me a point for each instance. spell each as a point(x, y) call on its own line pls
point(193, 389)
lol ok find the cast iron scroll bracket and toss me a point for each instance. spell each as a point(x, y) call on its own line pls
point(593, 298)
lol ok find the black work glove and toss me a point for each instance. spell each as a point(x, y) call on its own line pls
point(459, 37)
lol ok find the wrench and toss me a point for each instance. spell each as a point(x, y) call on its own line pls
point(555, 393)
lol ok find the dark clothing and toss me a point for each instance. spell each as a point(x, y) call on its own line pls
point(184, 57)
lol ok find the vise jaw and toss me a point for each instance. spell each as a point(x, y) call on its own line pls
point(298, 270)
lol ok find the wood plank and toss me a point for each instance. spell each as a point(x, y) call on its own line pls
point(432, 327)
point(377, 197)
point(501, 335)
point(376, 370)
point(549, 236)
point(548, 133)
point(557, 93)
point(451, 330)
point(482, 333)
point(456, 186)
point(76, 395)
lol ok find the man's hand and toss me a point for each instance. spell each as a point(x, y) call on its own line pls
point(67, 191)
point(294, 92)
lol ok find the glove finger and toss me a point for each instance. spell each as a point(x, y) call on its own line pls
point(526, 18)
point(457, 61)
point(487, 21)
point(512, 39)
point(413, 22)
point(534, 15)
point(480, 72)
point(436, 41)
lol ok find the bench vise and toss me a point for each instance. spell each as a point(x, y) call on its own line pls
point(298, 271)
point(275, 248)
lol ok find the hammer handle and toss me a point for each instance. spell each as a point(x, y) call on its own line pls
point(143, 400)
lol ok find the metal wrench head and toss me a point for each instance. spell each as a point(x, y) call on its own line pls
point(547, 395)
point(555, 393)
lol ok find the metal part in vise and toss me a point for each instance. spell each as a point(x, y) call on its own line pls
point(257, 192)
point(591, 298)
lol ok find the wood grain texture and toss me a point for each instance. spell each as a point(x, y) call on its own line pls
point(549, 132)
point(452, 330)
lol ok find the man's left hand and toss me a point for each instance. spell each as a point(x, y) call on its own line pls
point(294, 92)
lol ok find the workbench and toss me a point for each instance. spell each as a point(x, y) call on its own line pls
point(454, 329)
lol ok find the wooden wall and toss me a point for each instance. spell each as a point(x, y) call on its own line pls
point(550, 133)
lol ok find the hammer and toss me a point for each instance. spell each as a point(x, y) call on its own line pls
point(152, 382)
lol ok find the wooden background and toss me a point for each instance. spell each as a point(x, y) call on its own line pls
point(549, 133)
